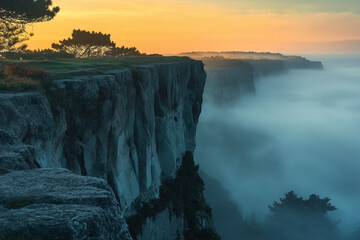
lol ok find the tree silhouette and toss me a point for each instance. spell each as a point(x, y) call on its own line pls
point(14, 17)
point(12, 34)
point(292, 202)
point(85, 44)
point(124, 51)
point(297, 218)
point(27, 11)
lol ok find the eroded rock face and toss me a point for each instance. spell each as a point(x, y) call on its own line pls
point(129, 127)
point(29, 135)
point(163, 226)
point(232, 75)
point(226, 85)
point(64, 206)
point(14, 154)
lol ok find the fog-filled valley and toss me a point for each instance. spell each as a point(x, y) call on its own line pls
point(299, 132)
point(186, 120)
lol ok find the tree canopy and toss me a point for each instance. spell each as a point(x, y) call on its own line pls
point(296, 218)
point(12, 34)
point(291, 202)
point(14, 17)
point(85, 44)
point(27, 11)
point(124, 51)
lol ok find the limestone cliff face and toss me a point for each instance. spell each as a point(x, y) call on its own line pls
point(57, 204)
point(230, 79)
point(162, 227)
point(225, 85)
point(129, 127)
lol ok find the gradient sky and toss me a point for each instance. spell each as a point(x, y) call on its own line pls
point(172, 26)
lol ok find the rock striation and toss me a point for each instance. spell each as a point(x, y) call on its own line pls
point(130, 127)
point(232, 75)
point(226, 83)
point(58, 204)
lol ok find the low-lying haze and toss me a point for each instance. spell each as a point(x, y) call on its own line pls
point(300, 132)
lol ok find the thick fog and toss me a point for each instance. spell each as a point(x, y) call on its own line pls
point(300, 131)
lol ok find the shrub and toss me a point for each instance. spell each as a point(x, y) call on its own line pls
point(11, 69)
point(19, 202)
point(18, 78)
point(36, 73)
point(183, 196)
point(45, 54)
point(16, 84)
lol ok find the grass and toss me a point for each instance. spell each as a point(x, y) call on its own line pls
point(18, 85)
point(19, 202)
point(64, 68)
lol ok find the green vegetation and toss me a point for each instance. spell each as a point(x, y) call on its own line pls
point(85, 44)
point(59, 68)
point(38, 55)
point(313, 205)
point(15, 78)
point(18, 236)
point(16, 15)
point(183, 196)
point(19, 11)
point(12, 34)
point(297, 218)
point(19, 202)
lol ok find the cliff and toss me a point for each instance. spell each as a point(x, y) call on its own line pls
point(130, 127)
point(232, 75)
point(227, 79)
point(57, 204)
point(291, 62)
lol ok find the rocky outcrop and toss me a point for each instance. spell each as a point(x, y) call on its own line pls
point(180, 212)
point(14, 154)
point(291, 62)
point(265, 67)
point(27, 130)
point(163, 226)
point(232, 75)
point(57, 204)
point(295, 62)
point(227, 80)
point(130, 127)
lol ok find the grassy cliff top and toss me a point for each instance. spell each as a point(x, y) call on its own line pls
point(31, 75)
point(60, 68)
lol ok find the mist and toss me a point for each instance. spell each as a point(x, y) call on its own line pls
point(299, 132)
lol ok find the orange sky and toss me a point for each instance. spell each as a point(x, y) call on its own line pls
point(171, 26)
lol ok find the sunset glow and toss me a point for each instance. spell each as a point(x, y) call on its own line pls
point(167, 27)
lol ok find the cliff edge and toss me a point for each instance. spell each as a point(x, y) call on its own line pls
point(129, 126)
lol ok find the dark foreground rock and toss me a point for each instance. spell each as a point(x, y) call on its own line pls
point(57, 204)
